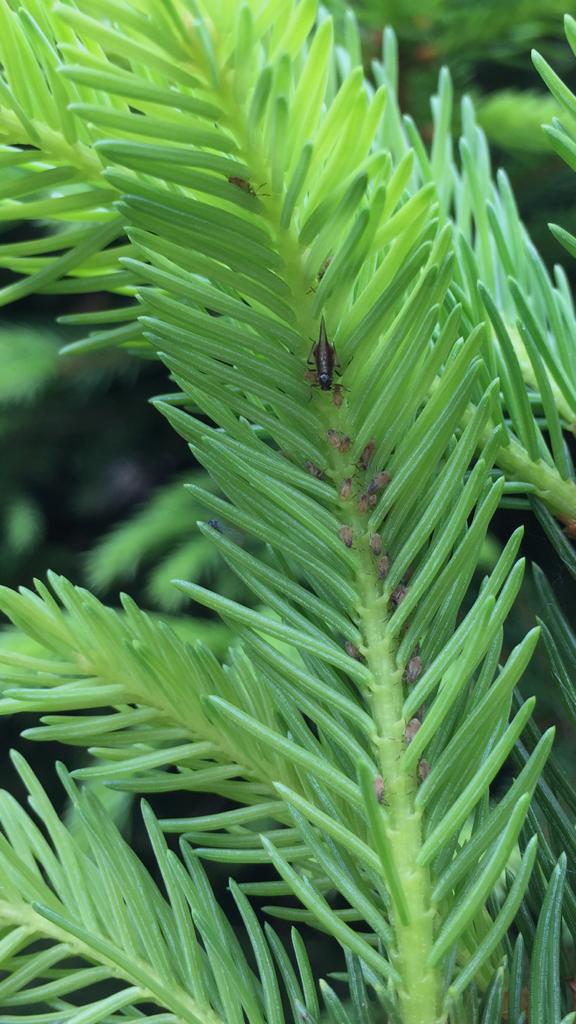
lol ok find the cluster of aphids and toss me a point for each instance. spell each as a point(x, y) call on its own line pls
point(412, 673)
point(366, 500)
point(324, 356)
point(322, 365)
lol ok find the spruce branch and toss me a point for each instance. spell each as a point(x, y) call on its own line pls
point(364, 715)
point(97, 657)
point(100, 918)
point(72, 141)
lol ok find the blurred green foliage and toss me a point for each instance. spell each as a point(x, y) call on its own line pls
point(486, 44)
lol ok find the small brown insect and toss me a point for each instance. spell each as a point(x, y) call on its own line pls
point(313, 470)
point(346, 489)
point(372, 499)
point(241, 183)
point(525, 1003)
point(344, 445)
point(399, 594)
point(424, 769)
point(379, 788)
point(414, 669)
point(367, 453)
point(570, 529)
point(383, 567)
point(338, 395)
point(375, 544)
point(324, 267)
point(363, 504)
point(411, 730)
point(352, 651)
point(334, 438)
point(378, 483)
point(346, 535)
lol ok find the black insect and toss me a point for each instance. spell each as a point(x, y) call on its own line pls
point(323, 357)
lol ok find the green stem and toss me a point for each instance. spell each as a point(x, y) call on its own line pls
point(544, 480)
point(418, 993)
point(558, 494)
point(564, 408)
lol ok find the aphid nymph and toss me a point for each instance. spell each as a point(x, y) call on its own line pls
point(346, 535)
point(383, 567)
point(314, 470)
point(366, 455)
point(414, 669)
point(376, 544)
point(411, 730)
point(346, 489)
point(352, 651)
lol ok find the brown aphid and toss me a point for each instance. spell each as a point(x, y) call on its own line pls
point(338, 395)
point(413, 669)
point(399, 594)
point(245, 186)
point(344, 445)
point(334, 438)
point(313, 470)
point(324, 267)
point(378, 483)
point(383, 567)
point(346, 535)
point(379, 788)
point(363, 504)
point(352, 651)
point(570, 529)
point(525, 1002)
point(368, 452)
point(375, 544)
point(346, 489)
point(372, 499)
point(411, 730)
point(242, 184)
point(424, 769)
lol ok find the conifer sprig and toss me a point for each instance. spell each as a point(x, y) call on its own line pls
point(258, 192)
